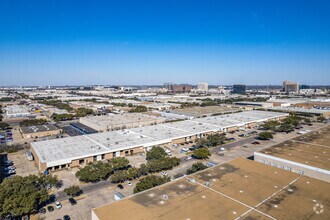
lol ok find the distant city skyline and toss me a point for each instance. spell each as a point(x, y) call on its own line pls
point(143, 43)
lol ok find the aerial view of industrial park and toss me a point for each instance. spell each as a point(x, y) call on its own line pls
point(164, 110)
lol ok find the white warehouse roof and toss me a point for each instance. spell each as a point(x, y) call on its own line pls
point(63, 151)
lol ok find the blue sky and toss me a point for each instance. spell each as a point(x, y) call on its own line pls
point(68, 42)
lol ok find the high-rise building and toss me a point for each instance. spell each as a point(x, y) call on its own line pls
point(203, 86)
point(239, 89)
point(169, 86)
point(290, 87)
point(182, 88)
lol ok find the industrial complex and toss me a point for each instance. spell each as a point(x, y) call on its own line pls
point(74, 151)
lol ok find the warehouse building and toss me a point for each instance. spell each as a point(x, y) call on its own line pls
point(38, 131)
point(310, 111)
point(228, 191)
point(17, 111)
point(120, 121)
point(306, 155)
point(74, 151)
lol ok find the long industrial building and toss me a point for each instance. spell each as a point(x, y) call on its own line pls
point(120, 121)
point(68, 152)
point(306, 155)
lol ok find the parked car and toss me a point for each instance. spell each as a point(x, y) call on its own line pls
point(66, 217)
point(255, 142)
point(221, 153)
point(120, 186)
point(58, 205)
point(210, 164)
point(129, 183)
point(188, 158)
point(72, 201)
point(42, 211)
point(50, 208)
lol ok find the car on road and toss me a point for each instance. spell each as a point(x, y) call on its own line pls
point(66, 217)
point(42, 211)
point(255, 142)
point(58, 205)
point(50, 208)
point(221, 153)
point(72, 201)
point(245, 146)
point(222, 149)
point(120, 186)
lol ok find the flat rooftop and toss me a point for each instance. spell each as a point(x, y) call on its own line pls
point(120, 119)
point(139, 137)
point(38, 128)
point(233, 191)
point(301, 110)
point(311, 149)
point(203, 111)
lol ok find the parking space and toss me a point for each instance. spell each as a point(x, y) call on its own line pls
point(24, 167)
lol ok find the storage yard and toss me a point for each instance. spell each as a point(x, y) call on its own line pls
point(228, 191)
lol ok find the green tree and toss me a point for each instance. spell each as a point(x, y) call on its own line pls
point(307, 120)
point(31, 122)
point(166, 163)
point(119, 163)
point(202, 142)
point(321, 118)
point(132, 173)
point(119, 176)
point(142, 170)
point(202, 153)
point(23, 195)
point(270, 125)
point(265, 135)
point(82, 112)
point(196, 167)
point(73, 191)
point(149, 182)
point(156, 153)
point(285, 128)
point(139, 108)
point(94, 172)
